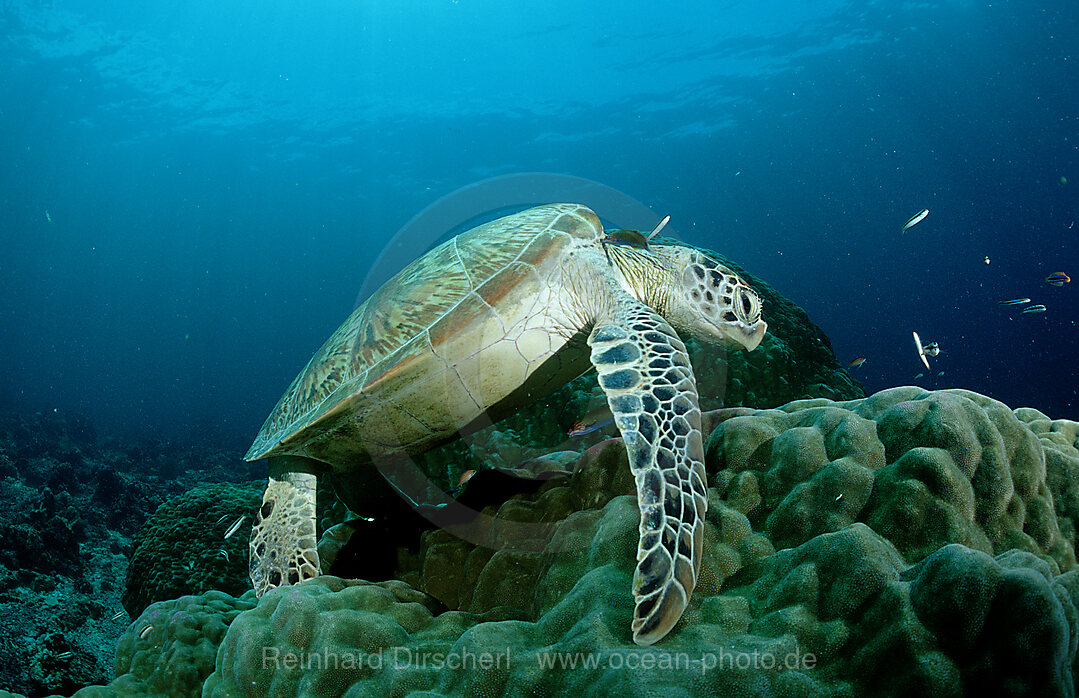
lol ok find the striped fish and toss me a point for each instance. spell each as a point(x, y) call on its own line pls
point(1014, 301)
point(234, 527)
point(915, 220)
point(1034, 309)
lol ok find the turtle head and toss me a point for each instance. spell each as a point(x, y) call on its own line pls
point(711, 302)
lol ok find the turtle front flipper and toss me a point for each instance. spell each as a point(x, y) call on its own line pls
point(645, 372)
point(283, 544)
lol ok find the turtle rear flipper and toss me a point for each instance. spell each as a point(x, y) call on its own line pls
point(283, 542)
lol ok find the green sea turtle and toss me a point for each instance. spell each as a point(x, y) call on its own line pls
point(486, 323)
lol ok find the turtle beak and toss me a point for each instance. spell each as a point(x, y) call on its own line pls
point(750, 336)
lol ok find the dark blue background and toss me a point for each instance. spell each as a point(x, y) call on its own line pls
point(220, 179)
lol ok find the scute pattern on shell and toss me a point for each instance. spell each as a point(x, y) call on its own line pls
point(412, 302)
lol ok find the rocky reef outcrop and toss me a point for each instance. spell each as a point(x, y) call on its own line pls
point(71, 503)
point(907, 543)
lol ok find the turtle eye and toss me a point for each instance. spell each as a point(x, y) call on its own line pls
point(748, 304)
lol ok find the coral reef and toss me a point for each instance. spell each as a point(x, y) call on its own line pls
point(182, 549)
point(921, 468)
point(72, 502)
point(908, 543)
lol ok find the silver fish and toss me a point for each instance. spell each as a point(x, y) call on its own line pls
point(921, 350)
point(1034, 309)
point(1014, 301)
point(234, 527)
point(915, 220)
point(662, 223)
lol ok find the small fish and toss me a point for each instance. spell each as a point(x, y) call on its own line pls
point(146, 631)
point(234, 527)
point(47, 216)
point(921, 350)
point(932, 349)
point(920, 375)
point(659, 227)
point(1014, 301)
point(1034, 309)
point(915, 220)
point(590, 422)
point(629, 238)
point(626, 238)
point(119, 614)
point(65, 655)
point(465, 477)
point(224, 554)
point(857, 362)
point(987, 260)
point(1057, 278)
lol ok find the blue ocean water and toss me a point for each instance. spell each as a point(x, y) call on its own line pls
point(192, 195)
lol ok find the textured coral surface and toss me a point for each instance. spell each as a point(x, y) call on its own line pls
point(908, 543)
point(71, 503)
point(182, 549)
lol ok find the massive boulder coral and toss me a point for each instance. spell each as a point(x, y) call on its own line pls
point(922, 468)
point(910, 543)
point(182, 548)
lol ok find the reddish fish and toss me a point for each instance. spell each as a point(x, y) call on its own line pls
point(465, 477)
point(595, 419)
point(857, 362)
